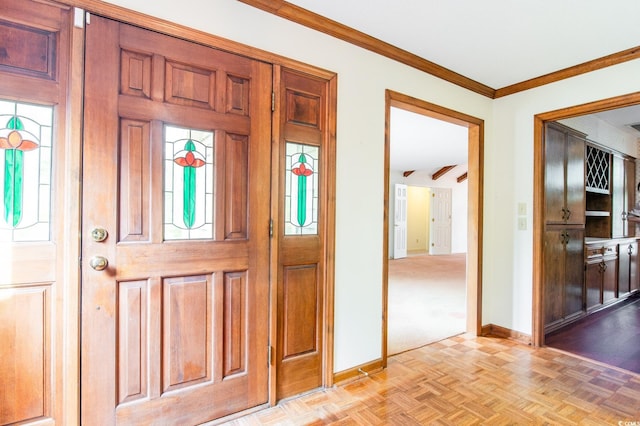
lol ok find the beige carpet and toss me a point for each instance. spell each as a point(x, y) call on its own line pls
point(427, 300)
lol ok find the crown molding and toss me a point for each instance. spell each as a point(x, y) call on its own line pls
point(335, 29)
point(596, 64)
point(320, 23)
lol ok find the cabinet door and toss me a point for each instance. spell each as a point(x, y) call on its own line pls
point(574, 272)
point(634, 270)
point(554, 276)
point(617, 198)
point(574, 192)
point(609, 279)
point(629, 194)
point(554, 175)
point(624, 267)
point(593, 283)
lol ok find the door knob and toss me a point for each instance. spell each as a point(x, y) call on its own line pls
point(99, 234)
point(98, 263)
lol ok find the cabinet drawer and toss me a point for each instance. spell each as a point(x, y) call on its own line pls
point(593, 251)
point(610, 251)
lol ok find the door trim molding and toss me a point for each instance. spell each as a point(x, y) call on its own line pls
point(538, 194)
point(475, 204)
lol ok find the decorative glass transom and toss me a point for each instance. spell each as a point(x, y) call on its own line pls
point(25, 171)
point(188, 184)
point(301, 189)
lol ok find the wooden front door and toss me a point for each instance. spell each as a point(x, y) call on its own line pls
point(175, 253)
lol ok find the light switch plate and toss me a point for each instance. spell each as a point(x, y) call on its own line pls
point(522, 209)
point(522, 223)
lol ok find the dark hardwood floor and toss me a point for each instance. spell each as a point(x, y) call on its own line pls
point(611, 336)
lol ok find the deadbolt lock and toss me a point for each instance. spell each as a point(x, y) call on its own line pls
point(99, 234)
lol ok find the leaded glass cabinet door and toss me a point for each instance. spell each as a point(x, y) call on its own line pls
point(175, 307)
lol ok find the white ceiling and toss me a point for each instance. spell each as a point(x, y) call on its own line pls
point(424, 143)
point(494, 42)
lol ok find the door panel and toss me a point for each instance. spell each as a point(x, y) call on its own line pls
point(300, 310)
point(176, 168)
point(36, 271)
point(440, 229)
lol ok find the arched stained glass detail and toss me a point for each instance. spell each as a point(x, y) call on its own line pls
point(25, 171)
point(188, 184)
point(301, 189)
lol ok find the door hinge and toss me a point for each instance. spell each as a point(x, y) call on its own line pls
point(271, 227)
point(269, 352)
point(273, 101)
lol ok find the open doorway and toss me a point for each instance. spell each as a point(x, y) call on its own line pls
point(459, 173)
point(621, 111)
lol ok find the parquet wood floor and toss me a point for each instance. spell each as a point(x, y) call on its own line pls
point(469, 380)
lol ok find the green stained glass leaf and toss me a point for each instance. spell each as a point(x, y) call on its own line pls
point(13, 171)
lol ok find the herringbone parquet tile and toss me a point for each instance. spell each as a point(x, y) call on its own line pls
point(468, 380)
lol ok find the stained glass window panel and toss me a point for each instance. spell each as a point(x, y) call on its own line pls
point(188, 184)
point(301, 189)
point(25, 171)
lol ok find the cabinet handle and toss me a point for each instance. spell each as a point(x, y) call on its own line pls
point(564, 214)
point(603, 266)
point(630, 250)
point(568, 214)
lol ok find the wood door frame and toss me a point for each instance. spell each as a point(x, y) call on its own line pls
point(475, 204)
point(538, 194)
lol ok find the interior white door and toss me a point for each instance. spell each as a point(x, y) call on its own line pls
point(440, 221)
point(400, 222)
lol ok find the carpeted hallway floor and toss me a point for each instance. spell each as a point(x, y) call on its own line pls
point(427, 300)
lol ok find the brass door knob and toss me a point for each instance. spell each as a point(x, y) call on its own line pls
point(98, 263)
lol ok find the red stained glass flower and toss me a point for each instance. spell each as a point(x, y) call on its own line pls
point(189, 160)
point(14, 141)
point(302, 170)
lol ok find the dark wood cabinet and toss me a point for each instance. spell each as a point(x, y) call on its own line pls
point(622, 195)
point(601, 274)
point(628, 278)
point(563, 275)
point(590, 253)
point(564, 175)
point(564, 202)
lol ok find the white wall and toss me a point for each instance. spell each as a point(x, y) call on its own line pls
point(362, 80)
point(417, 218)
point(600, 131)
